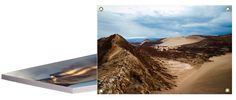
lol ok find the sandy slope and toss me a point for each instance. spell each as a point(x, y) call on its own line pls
point(212, 77)
point(177, 41)
point(177, 68)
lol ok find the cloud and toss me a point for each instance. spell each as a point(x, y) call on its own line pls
point(164, 21)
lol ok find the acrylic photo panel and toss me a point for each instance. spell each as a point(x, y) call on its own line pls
point(164, 49)
point(75, 75)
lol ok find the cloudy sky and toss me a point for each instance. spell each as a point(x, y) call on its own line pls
point(164, 21)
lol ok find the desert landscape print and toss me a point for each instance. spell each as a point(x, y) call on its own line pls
point(165, 49)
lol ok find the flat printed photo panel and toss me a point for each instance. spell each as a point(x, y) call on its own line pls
point(164, 49)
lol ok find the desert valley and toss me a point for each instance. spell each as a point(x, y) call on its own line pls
point(185, 64)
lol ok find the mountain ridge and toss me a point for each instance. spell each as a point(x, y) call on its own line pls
point(124, 68)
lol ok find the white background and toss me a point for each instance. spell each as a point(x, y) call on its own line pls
point(37, 32)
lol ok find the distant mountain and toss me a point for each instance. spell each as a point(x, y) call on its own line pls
point(178, 41)
point(132, 40)
point(210, 46)
point(195, 52)
point(124, 68)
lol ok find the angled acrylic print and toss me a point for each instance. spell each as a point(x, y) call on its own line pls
point(75, 75)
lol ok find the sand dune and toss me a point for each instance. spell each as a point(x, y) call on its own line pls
point(212, 77)
point(177, 68)
point(177, 41)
